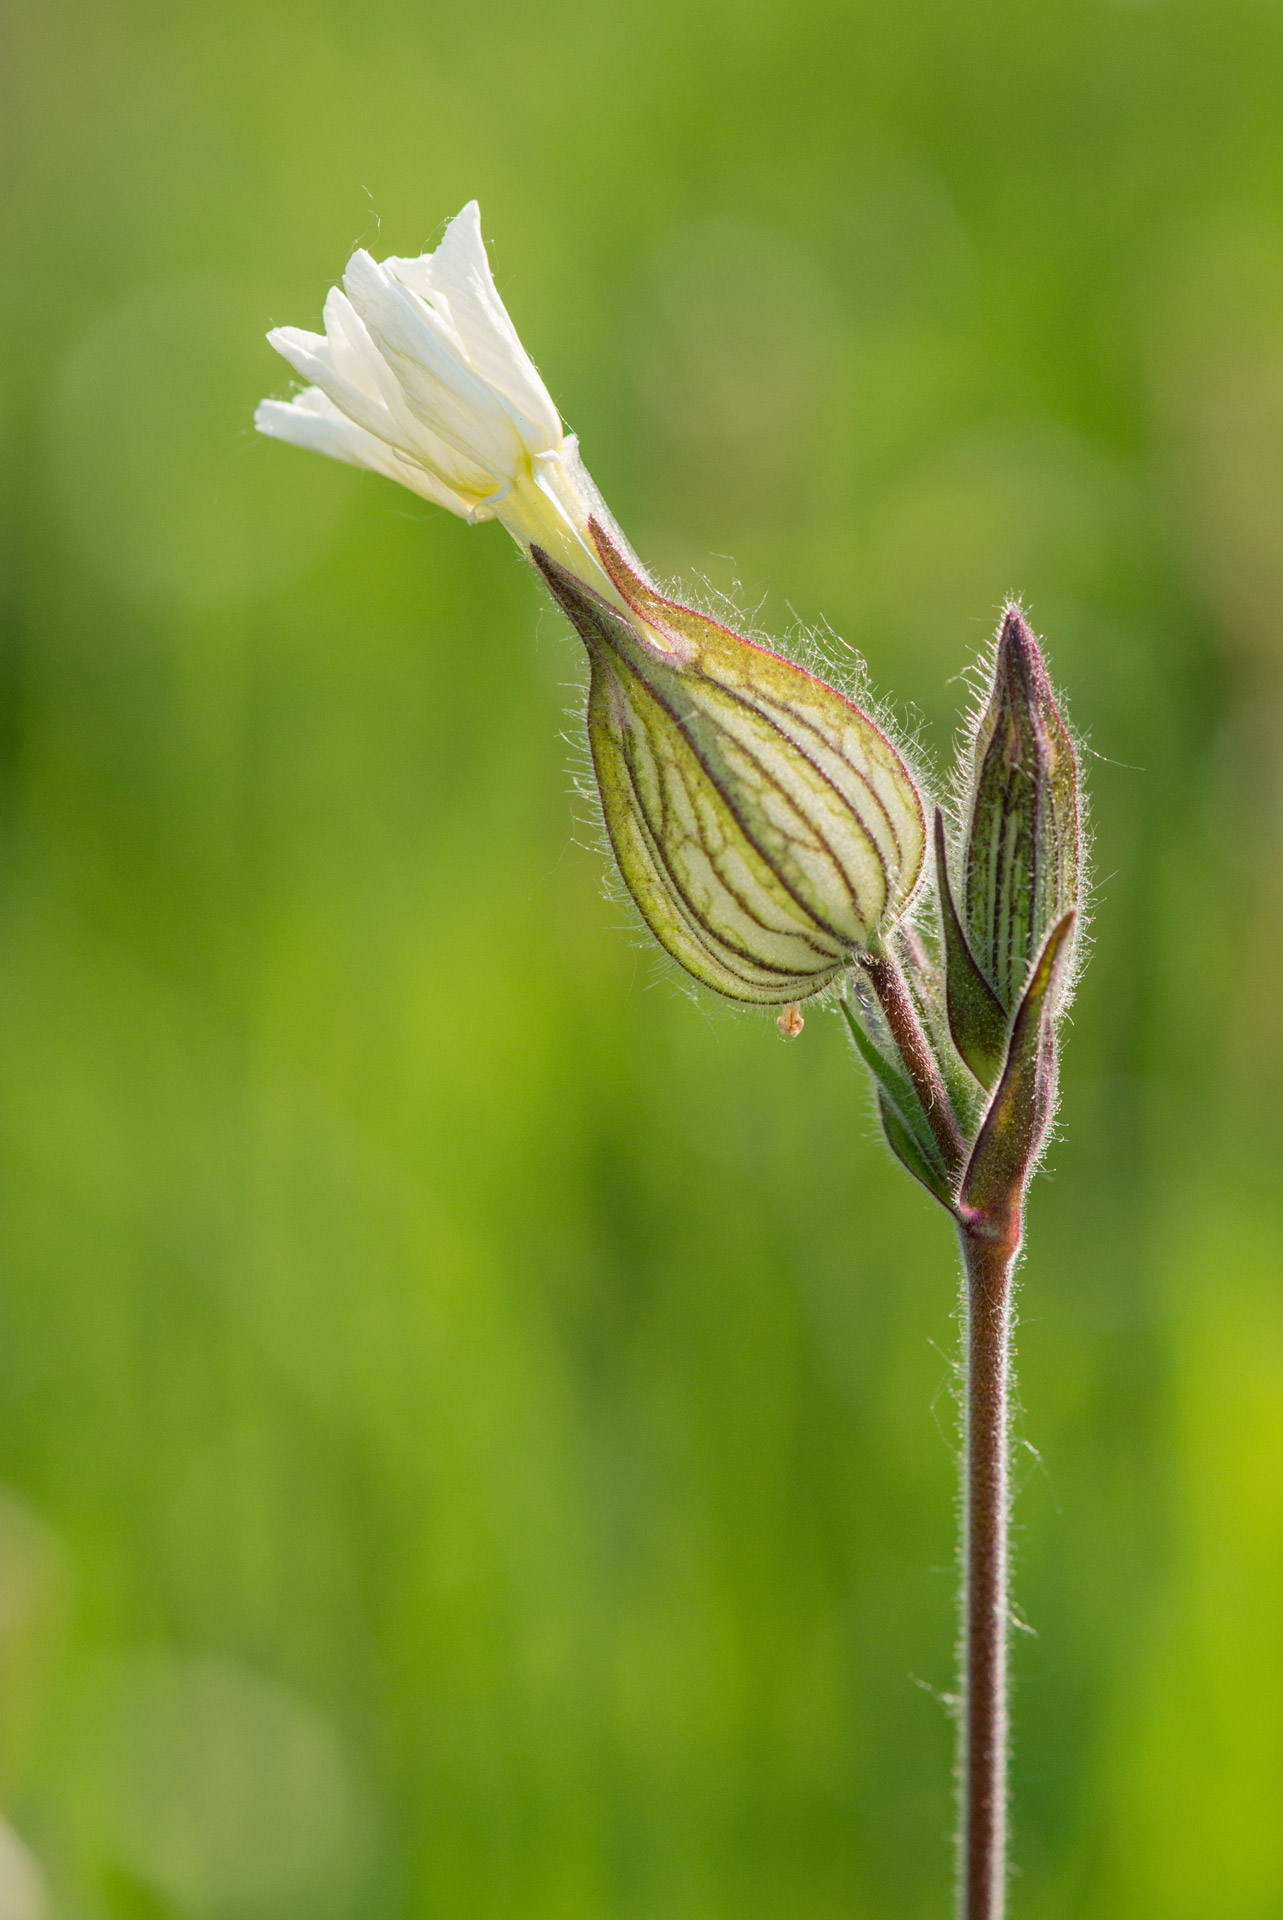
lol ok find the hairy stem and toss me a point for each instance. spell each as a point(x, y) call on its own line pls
point(982, 1765)
point(914, 1048)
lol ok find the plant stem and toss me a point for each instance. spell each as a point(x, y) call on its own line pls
point(987, 1258)
point(919, 1061)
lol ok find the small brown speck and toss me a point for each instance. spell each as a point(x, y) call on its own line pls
point(790, 1022)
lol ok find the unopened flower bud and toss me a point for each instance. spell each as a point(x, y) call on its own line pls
point(767, 830)
point(1021, 863)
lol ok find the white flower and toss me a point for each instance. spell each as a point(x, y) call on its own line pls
point(768, 832)
point(420, 376)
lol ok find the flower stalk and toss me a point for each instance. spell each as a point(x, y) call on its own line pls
point(986, 1498)
point(917, 1058)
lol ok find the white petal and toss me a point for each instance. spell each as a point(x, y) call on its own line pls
point(440, 388)
point(300, 347)
point(312, 357)
point(354, 353)
point(312, 421)
point(357, 358)
point(459, 272)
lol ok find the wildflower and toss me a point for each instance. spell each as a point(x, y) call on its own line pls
point(767, 830)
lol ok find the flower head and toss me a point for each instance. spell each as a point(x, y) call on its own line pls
point(420, 375)
point(766, 829)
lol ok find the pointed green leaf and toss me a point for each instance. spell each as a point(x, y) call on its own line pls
point(976, 1019)
point(876, 1061)
point(1014, 1127)
point(909, 1152)
point(896, 1096)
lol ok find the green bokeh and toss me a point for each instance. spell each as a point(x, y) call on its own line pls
point(476, 1423)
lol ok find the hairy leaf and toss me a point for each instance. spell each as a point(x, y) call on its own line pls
point(976, 1018)
point(1019, 1113)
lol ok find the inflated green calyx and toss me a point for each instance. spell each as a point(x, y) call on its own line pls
point(768, 831)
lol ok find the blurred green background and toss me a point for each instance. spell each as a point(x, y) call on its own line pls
point(475, 1424)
